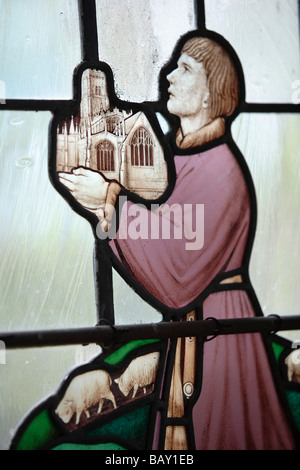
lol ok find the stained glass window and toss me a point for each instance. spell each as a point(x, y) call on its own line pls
point(123, 128)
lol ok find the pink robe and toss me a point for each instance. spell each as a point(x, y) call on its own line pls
point(238, 406)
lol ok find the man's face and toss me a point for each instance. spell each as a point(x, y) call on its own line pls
point(188, 90)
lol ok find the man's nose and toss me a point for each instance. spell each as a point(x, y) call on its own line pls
point(171, 77)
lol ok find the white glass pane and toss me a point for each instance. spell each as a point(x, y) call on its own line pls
point(137, 37)
point(46, 250)
point(265, 35)
point(270, 144)
point(40, 46)
point(129, 306)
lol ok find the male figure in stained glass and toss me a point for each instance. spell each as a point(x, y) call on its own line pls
point(225, 387)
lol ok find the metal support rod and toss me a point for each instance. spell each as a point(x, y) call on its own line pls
point(200, 13)
point(89, 34)
point(107, 334)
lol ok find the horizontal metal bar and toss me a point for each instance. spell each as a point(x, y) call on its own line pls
point(106, 334)
point(36, 105)
point(53, 105)
point(270, 108)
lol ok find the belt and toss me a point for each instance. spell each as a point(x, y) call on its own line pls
point(232, 280)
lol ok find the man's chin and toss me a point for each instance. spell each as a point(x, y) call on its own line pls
point(171, 108)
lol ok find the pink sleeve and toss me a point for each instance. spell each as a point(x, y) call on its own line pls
point(175, 251)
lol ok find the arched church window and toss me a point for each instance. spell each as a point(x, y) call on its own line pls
point(141, 148)
point(105, 156)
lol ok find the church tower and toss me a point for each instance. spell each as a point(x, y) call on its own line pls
point(94, 95)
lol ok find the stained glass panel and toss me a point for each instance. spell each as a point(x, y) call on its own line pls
point(133, 395)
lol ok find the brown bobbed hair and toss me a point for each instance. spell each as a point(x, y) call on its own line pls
point(222, 77)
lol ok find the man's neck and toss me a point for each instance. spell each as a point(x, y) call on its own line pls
point(192, 124)
point(205, 134)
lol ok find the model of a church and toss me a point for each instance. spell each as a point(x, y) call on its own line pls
point(119, 143)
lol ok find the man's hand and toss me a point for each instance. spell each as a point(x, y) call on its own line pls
point(88, 187)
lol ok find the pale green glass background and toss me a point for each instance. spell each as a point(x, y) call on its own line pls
point(46, 273)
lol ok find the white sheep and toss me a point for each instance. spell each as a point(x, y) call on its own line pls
point(292, 362)
point(140, 373)
point(84, 391)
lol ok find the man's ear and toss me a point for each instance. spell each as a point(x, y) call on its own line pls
point(206, 100)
